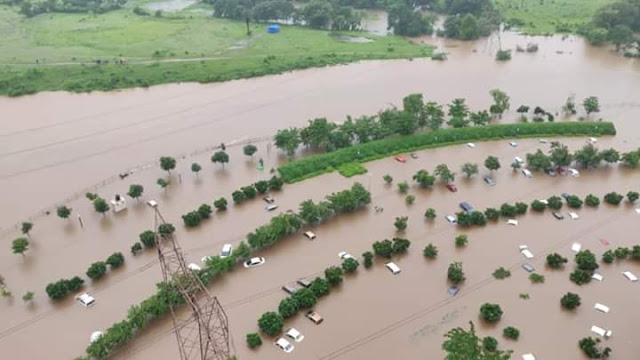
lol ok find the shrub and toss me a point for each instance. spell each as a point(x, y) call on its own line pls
point(276, 183)
point(489, 343)
point(271, 323)
point(621, 253)
point(608, 257)
point(511, 333)
point(507, 210)
point(580, 277)
point(574, 202)
point(166, 229)
point(305, 298)
point(403, 187)
point(350, 265)
point(409, 199)
point(430, 214)
point(57, 290)
point(521, 208)
point(220, 204)
point(632, 196)
point(430, 251)
point(586, 260)
point(262, 186)
point(387, 179)
point(319, 287)
point(204, 211)
point(536, 278)
point(570, 301)
point(368, 259)
point(249, 192)
point(590, 347)
point(383, 248)
point(191, 219)
point(461, 240)
point(288, 307)
point(253, 340)
point(147, 238)
point(592, 200)
point(455, 274)
point(115, 260)
point(491, 312)
point(492, 214)
point(501, 273)
point(333, 275)
point(556, 261)
point(400, 245)
point(613, 198)
point(97, 270)
point(554, 202)
point(135, 248)
point(538, 205)
point(478, 218)
point(238, 196)
point(352, 169)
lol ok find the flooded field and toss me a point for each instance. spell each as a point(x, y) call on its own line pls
point(55, 145)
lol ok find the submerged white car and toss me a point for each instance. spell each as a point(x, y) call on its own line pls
point(253, 262)
point(295, 335)
point(226, 250)
point(86, 299)
point(345, 255)
point(283, 344)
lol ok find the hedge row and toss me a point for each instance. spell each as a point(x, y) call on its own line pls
point(319, 164)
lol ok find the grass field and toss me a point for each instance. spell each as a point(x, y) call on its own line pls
point(549, 16)
point(189, 45)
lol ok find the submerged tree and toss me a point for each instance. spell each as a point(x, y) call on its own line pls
point(461, 344)
point(167, 163)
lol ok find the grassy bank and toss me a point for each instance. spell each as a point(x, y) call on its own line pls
point(319, 164)
point(547, 17)
point(58, 51)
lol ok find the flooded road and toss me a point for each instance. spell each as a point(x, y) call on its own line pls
point(54, 144)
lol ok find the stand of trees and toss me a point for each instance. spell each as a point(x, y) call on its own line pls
point(35, 7)
point(616, 23)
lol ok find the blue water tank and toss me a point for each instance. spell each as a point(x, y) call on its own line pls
point(273, 29)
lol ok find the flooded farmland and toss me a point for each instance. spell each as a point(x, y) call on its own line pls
point(55, 144)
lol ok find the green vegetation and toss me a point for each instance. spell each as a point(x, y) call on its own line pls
point(167, 163)
point(430, 251)
point(135, 191)
point(271, 323)
point(63, 211)
point(590, 348)
point(368, 259)
point(253, 340)
point(570, 301)
point(351, 169)
point(430, 214)
point(25, 227)
point(61, 288)
point(319, 164)
point(501, 273)
point(556, 261)
point(97, 270)
point(350, 265)
point(491, 312)
point(511, 333)
point(536, 278)
point(463, 344)
point(20, 245)
point(188, 46)
point(461, 240)
point(455, 274)
point(546, 17)
point(401, 223)
point(115, 260)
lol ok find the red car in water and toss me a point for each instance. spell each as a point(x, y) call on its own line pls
point(401, 159)
point(452, 187)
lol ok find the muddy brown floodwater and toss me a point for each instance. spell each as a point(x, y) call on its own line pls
point(56, 144)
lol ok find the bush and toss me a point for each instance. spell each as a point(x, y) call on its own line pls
point(574, 202)
point(351, 169)
point(97, 270)
point(249, 192)
point(556, 261)
point(409, 199)
point(166, 229)
point(318, 164)
point(253, 340)
point(489, 343)
point(262, 186)
point(333, 275)
point(580, 277)
point(538, 205)
point(586, 260)
point(387, 179)
point(191, 219)
point(135, 248)
point(455, 274)
point(536, 278)
point(115, 260)
point(204, 211)
point(478, 218)
point(319, 287)
point(305, 298)
point(368, 259)
point(430, 214)
point(621, 253)
point(592, 200)
point(288, 307)
point(430, 251)
point(400, 245)
point(238, 196)
point(613, 198)
point(350, 265)
point(276, 183)
point(608, 257)
point(507, 210)
point(492, 214)
point(403, 187)
point(570, 301)
point(383, 248)
point(271, 323)
point(61, 288)
point(632, 196)
point(590, 347)
point(461, 240)
point(554, 202)
point(220, 204)
point(501, 273)
point(148, 239)
point(521, 208)
point(491, 312)
point(511, 333)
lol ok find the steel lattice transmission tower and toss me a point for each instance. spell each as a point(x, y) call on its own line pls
point(202, 332)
